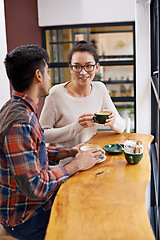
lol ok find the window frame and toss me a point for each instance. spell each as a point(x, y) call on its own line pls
point(155, 118)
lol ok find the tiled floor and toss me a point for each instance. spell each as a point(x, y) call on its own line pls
point(4, 235)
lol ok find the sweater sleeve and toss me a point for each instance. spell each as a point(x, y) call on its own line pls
point(50, 115)
point(119, 124)
point(62, 134)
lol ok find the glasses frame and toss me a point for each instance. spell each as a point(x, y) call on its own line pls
point(83, 67)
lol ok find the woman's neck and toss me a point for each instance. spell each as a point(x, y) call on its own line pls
point(78, 91)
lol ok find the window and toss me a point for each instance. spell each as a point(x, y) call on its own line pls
point(115, 43)
point(155, 118)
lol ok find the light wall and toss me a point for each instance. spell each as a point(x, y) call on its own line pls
point(62, 12)
point(4, 82)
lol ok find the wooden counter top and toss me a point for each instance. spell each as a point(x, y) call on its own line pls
point(106, 202)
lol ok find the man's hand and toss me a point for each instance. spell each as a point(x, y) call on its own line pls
point(84, 160)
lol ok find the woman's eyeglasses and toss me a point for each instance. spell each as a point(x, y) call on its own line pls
point(78, 68)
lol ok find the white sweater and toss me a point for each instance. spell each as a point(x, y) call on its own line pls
point(61, 111)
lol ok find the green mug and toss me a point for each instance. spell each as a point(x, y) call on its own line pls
point(101, 116)
point(133, 158)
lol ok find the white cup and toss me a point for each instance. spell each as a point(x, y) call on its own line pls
point(91, 146)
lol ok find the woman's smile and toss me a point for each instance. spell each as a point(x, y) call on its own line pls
point(84, 77)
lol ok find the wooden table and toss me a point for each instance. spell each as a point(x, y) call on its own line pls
point(106, 202)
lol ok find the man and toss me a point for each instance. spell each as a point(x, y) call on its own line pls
point(27, 185)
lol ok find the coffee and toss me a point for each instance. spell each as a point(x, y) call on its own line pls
point(101, 116)
point(103, 113)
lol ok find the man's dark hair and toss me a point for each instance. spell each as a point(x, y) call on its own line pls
point(21, 64)
point(83, 46)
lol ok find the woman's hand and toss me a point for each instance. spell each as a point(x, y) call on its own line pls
point(86, 120)
point(111, 119)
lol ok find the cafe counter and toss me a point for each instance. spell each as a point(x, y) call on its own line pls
point(106, 202)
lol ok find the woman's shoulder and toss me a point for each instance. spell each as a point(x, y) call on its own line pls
point(99, 85)
point(57, 88)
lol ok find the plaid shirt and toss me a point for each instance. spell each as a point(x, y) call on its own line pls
point(26, 182)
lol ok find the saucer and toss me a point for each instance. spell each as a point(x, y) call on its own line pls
point(113, 148)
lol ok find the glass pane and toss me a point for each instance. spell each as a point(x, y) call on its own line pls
point(51, 36)
point(80, 34)
point(113, 44)
point(111, 73)
point(63, 51)
point(64, 35)
point(126, 110)
point(59, 75)
point(120, 90)
point(59, 52)
point(53, 57)
point(50, 46)
point(58, 43)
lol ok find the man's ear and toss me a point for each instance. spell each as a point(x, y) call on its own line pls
point(38, 75)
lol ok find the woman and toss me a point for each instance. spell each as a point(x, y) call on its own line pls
point(67, 115)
